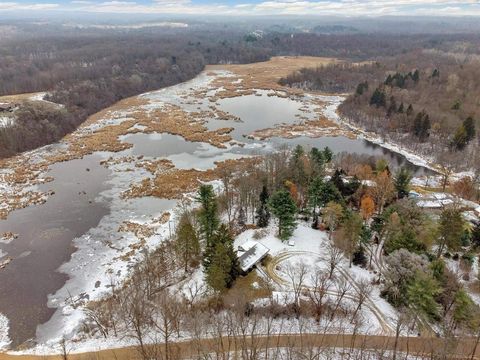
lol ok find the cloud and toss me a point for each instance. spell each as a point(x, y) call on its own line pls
point(269, 7)
point(18, 6)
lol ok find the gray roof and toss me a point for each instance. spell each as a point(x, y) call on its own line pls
point(250, 253)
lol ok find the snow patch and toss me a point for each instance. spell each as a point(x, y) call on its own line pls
point(4, 339)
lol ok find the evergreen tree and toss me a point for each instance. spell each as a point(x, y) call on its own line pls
point(435, 73)
point(416, 76)
point(426, 125)
point(421, 293)
point(469, 125)
point(378, 98)
point(451, 229)
point(327, 154)
point(460, 139)
point(393, 106)
point(337, 180)
point(410, 110)
point(317, 161)
point(216, 274)
point(421, 125)
point(353, 226)
point(402, 182)
point(399, 80)
point(401, 108)
point(417, 124)
point(297, 166)
point(284, 209)
point(402, 237)
point(186, 244)
point(361, 88)
point(221, 264)
point(208, 214)
point(388, 80)
point(475, 238)
point(262, 213)
point(464, 308)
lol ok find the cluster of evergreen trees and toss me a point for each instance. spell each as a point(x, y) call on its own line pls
point(400, 80)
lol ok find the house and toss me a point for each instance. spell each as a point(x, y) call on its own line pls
point(251, 253)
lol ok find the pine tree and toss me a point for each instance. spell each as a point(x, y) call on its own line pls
point(284, 209)
point(262, 213)
point(208, 214)
point(297, 166)
point(435, 73)
point(416, 76)
point(410, 110)
point(353, 226)
point(464, 308)
point(460, 139)
point(402, 181)
point(361, 88)
point(401, 108)
point(327, 154)
point(388, 80)
point(451, 229)
point(393, 106)
point(421, 293)
point(417, 125)
point(469, 125)
point(221, 264)
point(317, 161)
point(378, 98)
point(186, 244)
point(421, 125)
point(399, 80)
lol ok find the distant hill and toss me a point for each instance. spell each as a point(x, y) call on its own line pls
point(334, 29)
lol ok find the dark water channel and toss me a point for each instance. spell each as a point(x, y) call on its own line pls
point(44, 242)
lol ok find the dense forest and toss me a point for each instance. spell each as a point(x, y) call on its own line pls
point(425, 100)
point(88, 74)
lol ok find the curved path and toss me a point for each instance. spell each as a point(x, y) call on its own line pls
point(272, 272)
point(419, 346)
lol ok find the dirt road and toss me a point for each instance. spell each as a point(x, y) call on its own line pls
point(462, 349)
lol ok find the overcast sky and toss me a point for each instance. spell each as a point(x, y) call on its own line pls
point(256, 7)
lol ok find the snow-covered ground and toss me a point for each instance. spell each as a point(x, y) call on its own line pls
point(6, 121)
point(4, 339)
point(310, 250)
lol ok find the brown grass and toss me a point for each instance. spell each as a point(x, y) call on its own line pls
point(174, 183)
point(311, 128)
point(263, 75)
